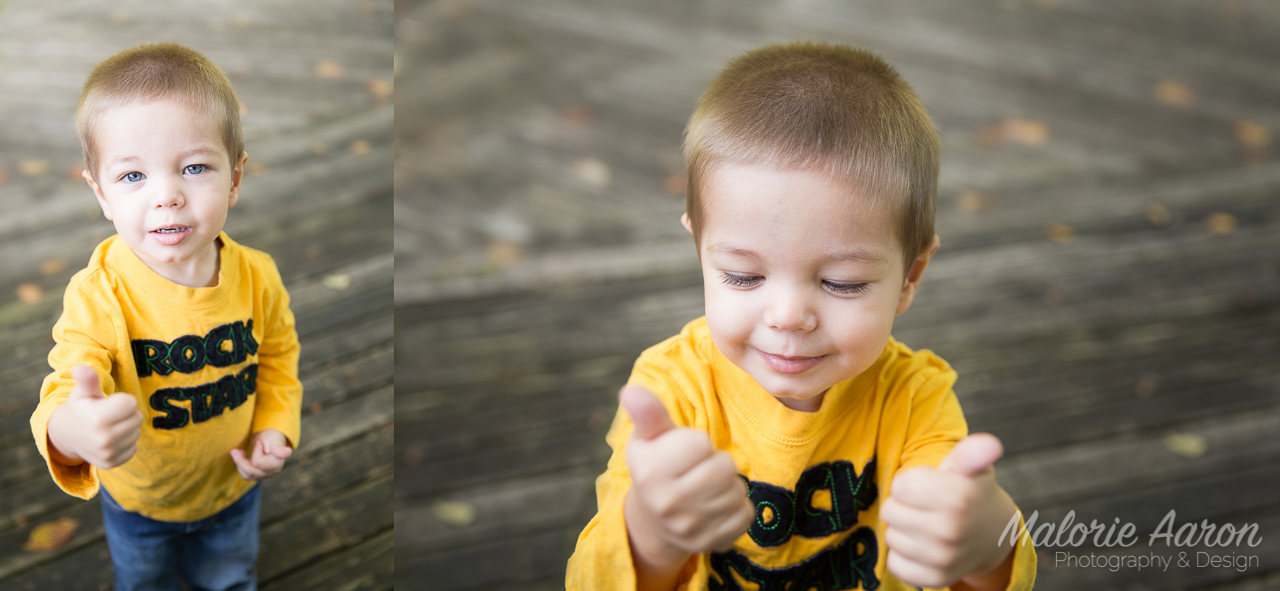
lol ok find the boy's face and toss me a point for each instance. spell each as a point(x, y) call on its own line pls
point(802, 277)
point(165, 179)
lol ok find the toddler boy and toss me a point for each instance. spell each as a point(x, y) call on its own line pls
point(175, 384)
point(788, 413)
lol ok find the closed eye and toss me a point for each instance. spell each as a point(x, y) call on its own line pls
point(847, 288)
point(741, 281)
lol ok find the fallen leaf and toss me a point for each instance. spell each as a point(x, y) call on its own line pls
point(379, 88)
point(593, 172)
point(328, 69)
point(34, 167)
point(1187, 445)
point(319, 148)
point(256, 169)
point(1173, 93)
point(1251, 134)
point(1221, 223)
point(580, 116)
point(503, 253)
point(30, 293)
point(337, 281)
point(51, 535)
point(1060, 233)
point(455, 513)
point(971, 201)
point(360, 147)
point(4, 177)
point(1157, 214)
point(315, 407)
point(674, 184)
point(53, 266)
point(1027, 132)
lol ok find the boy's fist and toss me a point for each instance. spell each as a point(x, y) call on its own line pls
point(270, 450)
point(944, 524)
point(92, 427)
point(686, 497)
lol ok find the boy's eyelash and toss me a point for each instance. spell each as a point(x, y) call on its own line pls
point(739, 280)
point(847, 288)
point(203, 168)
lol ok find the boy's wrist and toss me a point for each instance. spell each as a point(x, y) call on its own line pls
point(993, 579)
point(59, 453)
point(657, 563)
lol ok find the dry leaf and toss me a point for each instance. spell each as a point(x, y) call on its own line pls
point(1187, 445)
point(1221, 223)
point(1175, 93)
point(337, 281)
point(256, 169)
point(1060, 233)
point(1251, 134)
point(34, 167)
point(30, 293)
point(315, 407)
point(360, 147)
point(319, 148)
point(580, 116)
point(455, 513)
point(1157, 214)
point(4, 177)
point(674, 184)
point(328, 69)
point(1027, 132)
point(379, 88)
point(503, 253)
point(51, 535)
point(53, 266)
point(971, 201)
point(592, 171)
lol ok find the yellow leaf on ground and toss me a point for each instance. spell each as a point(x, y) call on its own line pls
point(674, 184)
point(1251, 134)
point(34, 167)
point(337, 281)
point(1187, 445)
point(1221, 223)
point(1060, 233)
point(503, 253)
point(1157, 214)
point(379, 88)
point(53, 266)
point(30, 293)
point(329, 69)
point(318, 147)
point(1175, 93)
point(360, 147)
point(1027, 132)
point(50, 536)
point(256, 169)
point(455, 513)
point(971, 201)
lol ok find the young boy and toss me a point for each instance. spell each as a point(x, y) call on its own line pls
point(176, 350)
point(788, 413)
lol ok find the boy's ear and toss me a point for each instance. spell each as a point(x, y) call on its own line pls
point(97, 192)
point(684, 221)
point(237, 173)
point(915, 273)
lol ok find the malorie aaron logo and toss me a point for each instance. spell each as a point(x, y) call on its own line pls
point(1167, 535)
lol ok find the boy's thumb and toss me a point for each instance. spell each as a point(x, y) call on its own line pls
point(87, 385)
point(648, 414)
point(972, 455)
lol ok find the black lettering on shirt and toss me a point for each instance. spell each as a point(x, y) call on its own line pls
point(849, 564)
point(191, 353)
point(207, 400)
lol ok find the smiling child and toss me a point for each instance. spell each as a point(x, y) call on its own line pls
point(176, 350)
point(786, 441)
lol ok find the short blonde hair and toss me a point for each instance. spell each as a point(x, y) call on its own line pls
point(830, 108)
point(152, 72)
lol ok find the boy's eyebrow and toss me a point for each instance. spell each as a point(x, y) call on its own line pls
point(853, 254)
point(198, 151)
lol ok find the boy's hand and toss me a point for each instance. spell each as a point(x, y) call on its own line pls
point(686, 497)
point(270, 450)
point(93, 427)
point(943, 524)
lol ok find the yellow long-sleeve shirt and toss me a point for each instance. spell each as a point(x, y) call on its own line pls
point(210, 366)
point(816, 479)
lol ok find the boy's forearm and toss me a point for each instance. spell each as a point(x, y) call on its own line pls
point(657, 565)
point(996, 579)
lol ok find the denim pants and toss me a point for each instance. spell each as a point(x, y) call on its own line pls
point(217, 553)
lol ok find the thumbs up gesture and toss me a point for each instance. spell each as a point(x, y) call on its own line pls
point(686, 497)
point(943, 525)
point(93, 427)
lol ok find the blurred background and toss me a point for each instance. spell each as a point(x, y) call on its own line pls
point(1108, 287)
point(315, 80)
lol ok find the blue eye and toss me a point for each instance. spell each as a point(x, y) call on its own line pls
point(740, 280)
point(195, 169)
point(847, 288)
point(132, 177)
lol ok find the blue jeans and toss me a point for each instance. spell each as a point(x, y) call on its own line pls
point(217, 553)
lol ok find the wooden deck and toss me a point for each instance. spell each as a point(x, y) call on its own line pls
point(1108, 287)
point(316, 85)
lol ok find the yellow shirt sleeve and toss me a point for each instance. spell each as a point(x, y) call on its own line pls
point(279, 403)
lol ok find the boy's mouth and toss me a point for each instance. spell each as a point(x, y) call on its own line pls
point(790, 365)
point(171, 235)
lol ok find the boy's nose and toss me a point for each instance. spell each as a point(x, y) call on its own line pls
point(789, 311)
point(169, 195)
